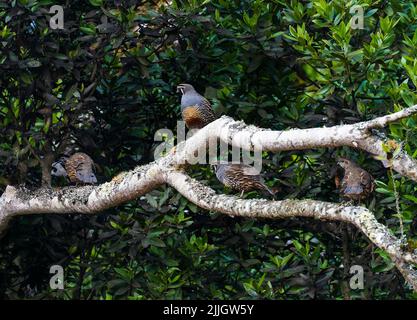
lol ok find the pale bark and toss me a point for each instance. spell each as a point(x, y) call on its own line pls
point(169, 169)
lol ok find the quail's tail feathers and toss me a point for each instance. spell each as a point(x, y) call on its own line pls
point(263, 186)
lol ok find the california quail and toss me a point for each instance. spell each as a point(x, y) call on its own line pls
point(78, 168)
point(240, 177)
point(196, 110)
point(356, 183)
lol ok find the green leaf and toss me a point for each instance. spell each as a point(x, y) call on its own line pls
point(96, 3)
point(151, 200)
point(250, 289)
point(33, 63)
point(88, 29)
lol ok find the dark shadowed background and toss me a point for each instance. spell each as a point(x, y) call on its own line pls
point(106, 82)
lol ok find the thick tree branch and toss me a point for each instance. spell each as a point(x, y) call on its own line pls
point(359, 135)
point(382, 122)
point(168, 169)
point(361, 217)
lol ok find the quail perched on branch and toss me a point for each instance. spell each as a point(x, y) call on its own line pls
point(240, 177)
point(355, 183)
point(78, 168)
point(196, 110)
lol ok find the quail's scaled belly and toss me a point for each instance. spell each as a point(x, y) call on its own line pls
point(193, 117)
point(79, 168)
point(357, 184)
point(71, 167)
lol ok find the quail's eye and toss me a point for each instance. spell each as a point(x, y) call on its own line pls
point(53, 169)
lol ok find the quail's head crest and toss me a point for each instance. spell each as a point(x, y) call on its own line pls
point(184, 88)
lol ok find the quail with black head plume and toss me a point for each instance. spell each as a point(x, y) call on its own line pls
point(79, 168)
point(195, 109)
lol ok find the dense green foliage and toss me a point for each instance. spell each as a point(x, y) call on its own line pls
point(107, 82)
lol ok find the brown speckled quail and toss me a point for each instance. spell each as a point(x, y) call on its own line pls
point(196, 110)
point(79, 168)
point(355, 183)
point(240, 177)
